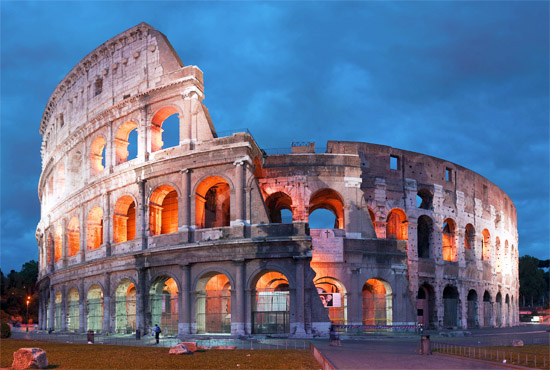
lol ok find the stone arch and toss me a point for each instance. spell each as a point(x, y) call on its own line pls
point(449, 240)
point(271, 303)
point(156, 125)
point(276, 203)
point(396, 225)
point(213, 303)
point(498, 310)
point(425, 305)
point(469, 237)
point(94, 229)
point(212, 202)
point(486, 245)
point(97, 155)
point(163, 210)
point(58, 310)
point(450, 307)
point(125, 306)
point(163, 298)
point(472, 318)
point(424, 237)
point(487, 310)
point(507, 310)
point(122, 141)
point(498, 256)
point(94, 308)
point(124, 219)
point(73, 308)
point(58, 243)
point(60, 180)
point(333, 295)
point(377, 301)
point(73, 236)
point(330, 200)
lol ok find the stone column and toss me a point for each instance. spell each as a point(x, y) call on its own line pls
point(238, 307)
point(51, 309)
point(82, 309)
point(144, 140)
point(193, 308)
point(248, 311)
point(185, 201)
point(110, 156)
point(64, 303)
point(141, 297)
point(240, 168)
point(184, 319)
point(107, 235)
point(83, 234)
point(141, 228)
point(300, 299)
point(355, 298)
point(107, 304)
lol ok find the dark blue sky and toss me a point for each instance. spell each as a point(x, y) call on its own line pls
point(464, 81)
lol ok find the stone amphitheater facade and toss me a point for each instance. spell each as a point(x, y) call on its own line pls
point(211, 236)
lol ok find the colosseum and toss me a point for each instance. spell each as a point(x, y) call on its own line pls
point(211, 235)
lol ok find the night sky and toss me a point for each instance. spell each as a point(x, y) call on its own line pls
point(463, 81)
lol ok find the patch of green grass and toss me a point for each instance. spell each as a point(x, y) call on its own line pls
point(97, 356)
point(534, 356)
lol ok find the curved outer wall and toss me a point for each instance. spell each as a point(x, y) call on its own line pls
point(198, 227)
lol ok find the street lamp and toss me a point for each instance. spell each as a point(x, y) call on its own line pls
point(28, 300)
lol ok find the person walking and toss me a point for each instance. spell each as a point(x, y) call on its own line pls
point(156, 329)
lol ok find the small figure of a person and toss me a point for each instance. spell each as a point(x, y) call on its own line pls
point(334, 337)
point(156, 329)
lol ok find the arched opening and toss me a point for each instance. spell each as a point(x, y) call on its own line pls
point(425, 304)
point(163, 211)
point(498, 314)
point(469, 237)
point(377, 303)
point(73, 319)
point(212, 203)
point(334, 298)
point(164, 304)
point(164, 129)
point(74, 174)
point(498, 266)
point(486, 245)
point(450, 307)
point(124, 220)
point(271, 304)
point(73, 237)
point(94, 309)
point(58, 242)
point(330, 200)
point(94, 234)
point(372, 218)
point(396, 225)
point(97, 155)
point(125, 307)
point(214, 304)
point(424, 236)
point(122, 141)
point(277, 203)
point(49, 248)
point(60, 180)
point(424, 199)
point(58, 310)
point(487, 310)
point(449, 240)
point(472, 318)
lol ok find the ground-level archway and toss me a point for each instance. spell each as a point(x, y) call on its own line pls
point(472, 319)
point(271, 304)
point(425, 304)
point(333, 295)
point(487, 310)
point(213, 304)
point(58, 311)
point(377, 302)
point(163, 297)
point(73, 316)
point(94, 309)
point(125, 307)
point(450, 307)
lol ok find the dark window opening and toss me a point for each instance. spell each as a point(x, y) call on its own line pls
point(98, 86)
point(424, 199)
point(394, 162)
point(448, 175)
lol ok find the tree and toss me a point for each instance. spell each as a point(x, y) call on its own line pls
point(532, 283)
point(15, 289)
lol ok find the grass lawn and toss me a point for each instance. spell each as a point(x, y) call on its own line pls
point(534, 355)
point(97, 356)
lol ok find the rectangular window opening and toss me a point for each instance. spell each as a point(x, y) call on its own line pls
point(448, 175)
point(394, 162)
point(98, 86)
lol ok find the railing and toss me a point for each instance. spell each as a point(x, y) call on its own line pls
point(233, 131)
point(532, 360)
point(358, 330)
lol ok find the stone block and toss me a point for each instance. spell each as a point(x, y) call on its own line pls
point(180, 349)
point(29, 358)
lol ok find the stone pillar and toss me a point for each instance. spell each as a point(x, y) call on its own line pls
point(355, 298)
point(82, 309)
point(107, 235)
point(248, 311)
point(51, 309)
point(107, 309)
point(110, 149)
point(83, 234)
point(141, 228)
point(184, 319)
point(186, 200)
point(141, 297)
point(238, 306)
point(64, 242)
point(239, 214)
point(193, 308)
point(144, 140)
point(64, 303)
point(299, 306)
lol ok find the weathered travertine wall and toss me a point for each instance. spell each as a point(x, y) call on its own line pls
point(194, 237)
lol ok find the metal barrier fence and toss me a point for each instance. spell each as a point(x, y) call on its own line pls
point(533, 360)
point(356, 330)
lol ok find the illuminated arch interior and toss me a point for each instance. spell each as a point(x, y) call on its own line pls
point(377, 302)
point(124, 220)
point(163, 211)
point(277, 203)
point(125, 307)
point(94, 234)
point(122, 141)
point(396, 226)
point(449, 240)
point(163, 297)
point(212, 203)
point(94, 308)
point(330, 200)
point(97, 155)
point(214, 304)
point(73, 236)
point(157, 129)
